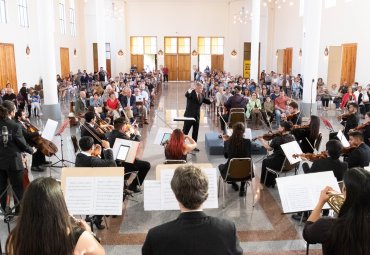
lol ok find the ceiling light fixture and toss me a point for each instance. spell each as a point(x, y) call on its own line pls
point(242, 17)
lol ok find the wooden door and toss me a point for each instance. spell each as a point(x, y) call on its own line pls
point(138, 61)
point(349, 54)
point(170, 61)
point(64, 62)
point(217, 62)
point(288, 61)
point(334, 66)
point(95, 57)
point(8, 73)
point(184, 67)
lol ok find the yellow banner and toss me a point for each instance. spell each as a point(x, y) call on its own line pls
point(247, 68)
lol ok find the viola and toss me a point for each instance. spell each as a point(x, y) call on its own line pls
point(269, 136)
point(345, 116)
point(297, 127)
point(361, 127)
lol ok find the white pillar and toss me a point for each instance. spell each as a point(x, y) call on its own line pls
point(48, 70)
point(311, 47)
point(100, 32)
point(256, 12)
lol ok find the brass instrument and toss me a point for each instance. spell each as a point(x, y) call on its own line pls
point(335, 202)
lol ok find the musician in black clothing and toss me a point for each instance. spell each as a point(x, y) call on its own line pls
point(359, 157)
point(306, 137)
point(122, 131)
point(276, 159)
point(352, 120)
point(294, 114)
point(11, 148)
point(89, 128)
point(38, 158)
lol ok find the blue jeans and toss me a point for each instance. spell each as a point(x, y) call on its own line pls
point(277, 117)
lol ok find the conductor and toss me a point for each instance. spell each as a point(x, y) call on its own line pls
point(195, 99)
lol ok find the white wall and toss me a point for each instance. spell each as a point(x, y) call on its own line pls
point(28, 67)
point(344, 23)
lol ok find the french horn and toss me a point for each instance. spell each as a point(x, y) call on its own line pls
point(335, 202)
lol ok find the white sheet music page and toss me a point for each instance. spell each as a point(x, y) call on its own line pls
point(79, 195)
point(108, 195)
point(168, 199)
point(49, 130)
point(212, 200)
point(94, 195)
point(290, 149)
point(152, 195)
point(302, 192)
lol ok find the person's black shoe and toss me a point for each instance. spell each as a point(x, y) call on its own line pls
point(98, 224)
point(235, 186)
point(298, 216)
point(242, 193)
point(47, 163)
point(196, 150)
point(135, 189)
point(37, 169)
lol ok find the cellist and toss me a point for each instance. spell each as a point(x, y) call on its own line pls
point(38, 158)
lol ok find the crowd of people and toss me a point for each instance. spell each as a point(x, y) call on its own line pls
point(110, 109)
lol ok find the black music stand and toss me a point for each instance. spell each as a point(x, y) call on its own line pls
point(59, 133)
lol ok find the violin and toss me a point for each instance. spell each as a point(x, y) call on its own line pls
point(97, 151)
point(348, 150)
point(107, 128)
point(296, 127)
point(345, 116)
point(290, 117)
point(46, 147)
point(312, 156)
point(269, 136)
point(361, 127)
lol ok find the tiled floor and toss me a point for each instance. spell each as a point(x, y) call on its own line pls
point(262, 229)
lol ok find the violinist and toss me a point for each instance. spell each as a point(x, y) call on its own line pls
point(11, 150)
point(90, 123)
point(294, 115)
point(89, 157)
point(123, 130)
point(351, 119)
point(360, 156)
point(306, 137)
point(365, 128)
point(38, 158)
point(276, 159)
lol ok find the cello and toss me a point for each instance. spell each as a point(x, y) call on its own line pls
point(47, 148)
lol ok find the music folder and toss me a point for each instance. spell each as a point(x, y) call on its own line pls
point(183, 119)
point(121, 146)
point(162, 135)
point(165, 138)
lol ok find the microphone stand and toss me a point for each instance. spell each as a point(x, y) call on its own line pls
point(313, 80)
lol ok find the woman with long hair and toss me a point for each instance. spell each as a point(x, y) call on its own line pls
point(45, 227)
point(349, 233)
point(176, 148)
point(236, 147)
point(306, 137)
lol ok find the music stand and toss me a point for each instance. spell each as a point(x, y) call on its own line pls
point(59, 133)
point(327, 124)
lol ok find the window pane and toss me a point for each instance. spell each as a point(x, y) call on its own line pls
point(2, 11)
point(170, 45)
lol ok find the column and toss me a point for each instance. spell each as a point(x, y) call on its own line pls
point(100, 31)
point(256, 12)
point(310, 57)
point(48, 73)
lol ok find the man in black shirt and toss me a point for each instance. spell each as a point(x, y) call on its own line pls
point(359, 157)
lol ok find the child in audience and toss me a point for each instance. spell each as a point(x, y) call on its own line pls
point(35, 104)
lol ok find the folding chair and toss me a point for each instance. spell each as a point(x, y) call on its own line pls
point(235, 117)
point(239, 169)
point(286, 167)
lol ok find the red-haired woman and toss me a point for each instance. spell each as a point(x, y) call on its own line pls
point(176, 148)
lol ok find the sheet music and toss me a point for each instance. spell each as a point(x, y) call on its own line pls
point(302, 192)
point(158, 195)
point(49, 130)
point(168, 199)
point(94, 195)
point(290, 149)
point(343, 139)
point(152, 195)
point(212, 200)
point(183, 118)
